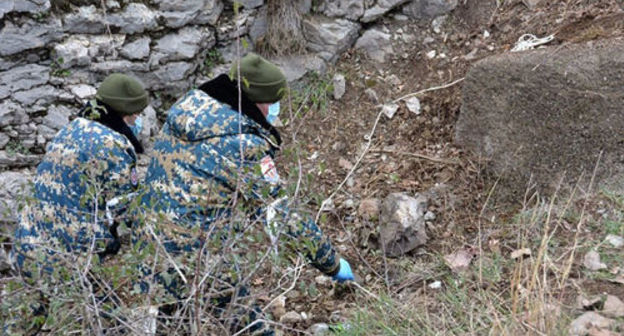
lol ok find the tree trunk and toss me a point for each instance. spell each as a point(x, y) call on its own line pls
point(284, 35)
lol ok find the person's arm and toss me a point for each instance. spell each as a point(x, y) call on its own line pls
point(120, 192)
point(261, 177)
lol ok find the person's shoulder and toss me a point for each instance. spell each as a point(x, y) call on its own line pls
point(93, 134)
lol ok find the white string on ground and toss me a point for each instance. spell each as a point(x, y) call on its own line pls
point(530, 41)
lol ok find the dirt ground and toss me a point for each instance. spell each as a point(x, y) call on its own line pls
point(415, 153)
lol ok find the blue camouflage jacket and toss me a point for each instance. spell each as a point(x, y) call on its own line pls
point(85, 166)
point(202, 150)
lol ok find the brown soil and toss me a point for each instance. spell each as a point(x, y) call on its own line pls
point(415, 153)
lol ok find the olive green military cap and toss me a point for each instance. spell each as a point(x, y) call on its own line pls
point(123, 93)
point(262, 81)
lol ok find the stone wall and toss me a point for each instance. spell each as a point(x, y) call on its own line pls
point(53, 53)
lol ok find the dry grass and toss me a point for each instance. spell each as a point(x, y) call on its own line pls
point(498, 295)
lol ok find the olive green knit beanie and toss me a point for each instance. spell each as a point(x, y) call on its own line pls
point(262, 81)
point(123, 93)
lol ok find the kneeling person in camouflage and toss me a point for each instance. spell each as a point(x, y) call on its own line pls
point(81, 190)
point(212, 177)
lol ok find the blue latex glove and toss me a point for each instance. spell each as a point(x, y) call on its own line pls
point(344, 273)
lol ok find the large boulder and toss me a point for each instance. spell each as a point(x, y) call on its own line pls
point(402, 223)
point(539, 115)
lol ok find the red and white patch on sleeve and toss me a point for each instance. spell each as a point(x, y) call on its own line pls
point(134, 177)
point(269, 171)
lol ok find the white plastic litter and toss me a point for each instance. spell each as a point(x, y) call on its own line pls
point(530, 41)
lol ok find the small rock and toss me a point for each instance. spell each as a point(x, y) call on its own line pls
point(428, 40)
point(57, 117)
point(459, 260)
point(402, 224)
point(371, 95)
point(112, 4)
point(613, 307)
point(329, 38)
point(431, 54)
point(278, 307)
point(339, 86)
point(413, 105)
point(393, 80)
point(531, 4)
point(350, 182)
point(471, 55)
point(323, 281)
point(4, 139)
point(435, 285)
point(182, 45)
point(430, 216)
point(339, 146)
point(136, 18)
point(74, 52)
point(319, 329)
point(136, 50)
point(486, 34)
point(293, 294)
point(22, 78)
point(408, 38)
point(291, 318)
point(5, 264)
point(14, 190)
point(349, 204)
point(390, 109)
point(521, 253)
point(429, 8)
point(437, 23)
point(615, 241)
point(590, 320)
point(345, 164)
point(335, 316)
point(401, 17)
point(594, 303)
point(83, 91)
point(369, 208)
point(376, 44)
point(592, 261)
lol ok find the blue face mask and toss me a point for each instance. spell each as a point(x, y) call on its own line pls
point(274, 110)
point(137, 127)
